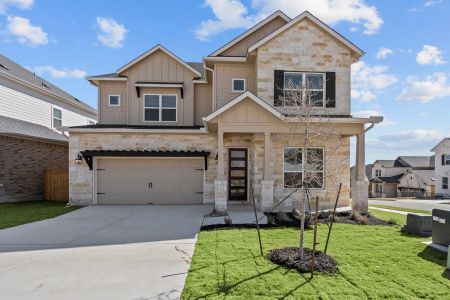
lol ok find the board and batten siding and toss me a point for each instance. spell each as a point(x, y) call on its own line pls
point(22, 106)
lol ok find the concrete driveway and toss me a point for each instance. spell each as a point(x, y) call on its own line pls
point(101, 252)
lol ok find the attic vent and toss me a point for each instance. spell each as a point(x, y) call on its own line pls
point(3, 66)
point(45, 85)
point(76, 99)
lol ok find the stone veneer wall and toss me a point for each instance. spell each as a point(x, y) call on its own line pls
point(305, 47)
point(22, 167)
point(81, 178)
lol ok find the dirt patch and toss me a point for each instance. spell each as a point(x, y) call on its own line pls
point(289, 258)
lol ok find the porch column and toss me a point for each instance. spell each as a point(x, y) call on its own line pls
point(360, 186)
point(220, 184)
point(267, 182)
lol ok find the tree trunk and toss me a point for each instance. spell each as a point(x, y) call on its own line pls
point(302, 222)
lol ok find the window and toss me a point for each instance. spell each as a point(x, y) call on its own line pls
point(304, 86)
point(445, 183)
point(238, 85)
point(299, 164)
point(57, 117)
point(160, 108)
point(446, 159)
point(114, 100)
point(377, 173)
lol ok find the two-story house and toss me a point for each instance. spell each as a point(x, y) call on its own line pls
point(32, 112)
point(442, 167)
point(406, 176)
point(171, 131)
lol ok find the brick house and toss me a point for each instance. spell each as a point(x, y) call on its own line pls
point(171, 131)
point(32, 112)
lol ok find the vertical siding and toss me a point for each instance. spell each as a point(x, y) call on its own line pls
point(112, 114)
point(202, 102)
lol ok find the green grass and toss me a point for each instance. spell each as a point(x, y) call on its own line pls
point(375, 262)
point(411, 210)
point(18, 213)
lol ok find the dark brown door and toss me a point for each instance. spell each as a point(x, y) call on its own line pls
point(237, 175)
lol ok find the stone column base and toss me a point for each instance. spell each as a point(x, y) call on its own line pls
point(220, 195)
point(266, 195)
point(360, 197)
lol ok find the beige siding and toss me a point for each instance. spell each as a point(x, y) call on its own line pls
point(202, 102)
point(159, 67)
point(225, 73)
point(240, 49)
point(113, 114)
point(305, 47)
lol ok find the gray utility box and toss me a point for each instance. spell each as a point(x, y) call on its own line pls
point(441, 227)
point(417, 224)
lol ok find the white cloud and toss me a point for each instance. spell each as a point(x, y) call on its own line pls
point(232, 14)
point(431, 2)
point(408, 139)
point(112, 34)
point(425, 89)
point(60, 73)
point(367, 79)
point(430, 55)
point(384, 52)
point(370, 113)
point(22, 4)
point(25, 32)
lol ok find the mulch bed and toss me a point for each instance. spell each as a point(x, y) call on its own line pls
point(346, 218)
point(289, 258)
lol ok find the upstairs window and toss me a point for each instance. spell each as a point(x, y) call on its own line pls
point(446, 159)
point(160, 108)
point(57, 118)
point(114, 100)
point(300, 165)
point(299, 87)
point(238, 85)
point(377, 173)
point(445, 183)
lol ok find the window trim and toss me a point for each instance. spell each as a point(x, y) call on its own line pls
point(238, 91)
point(114, 105)
point(160, 108)
point(303, 166)
point(53, 116)
point(304, 73)
point(447, 159)
point(444, 184)
point(377, 173)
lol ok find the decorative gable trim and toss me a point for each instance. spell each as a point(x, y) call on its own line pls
point(246, 95)
point(318, 22)
point(267, 20)
point(153, 50)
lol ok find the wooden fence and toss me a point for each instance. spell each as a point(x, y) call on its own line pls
point(56, 185)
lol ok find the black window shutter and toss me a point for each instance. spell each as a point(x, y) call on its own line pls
point(331, 89)
point(278, 85)
point(443, 159)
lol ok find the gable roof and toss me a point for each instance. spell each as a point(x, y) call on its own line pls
point(439, 144)
point(388, 179)
point(417, 161)
point(277, 14)
point(23, 129)
point(307, 14)
point(245, 95)
point(14, 71)
point(153, 50)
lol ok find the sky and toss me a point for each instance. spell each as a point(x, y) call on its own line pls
point(404, 75)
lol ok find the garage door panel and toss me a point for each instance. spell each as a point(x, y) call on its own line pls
point(149, 180)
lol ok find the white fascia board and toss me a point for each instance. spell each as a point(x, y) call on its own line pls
point(163, 85)
point(151, 51)
point(133, 130)
point(226, 58)
point(318, 22)
point(250, 31)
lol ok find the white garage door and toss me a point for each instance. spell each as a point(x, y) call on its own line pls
point(150, 180)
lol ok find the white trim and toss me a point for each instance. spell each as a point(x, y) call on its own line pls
point(133, 130)
point(160, 108)
point(304, 74)
point(93, 78)
point(53, 117)
point(199, 81)
point(162, 85)
point(113, 105)
point(304, 159)
point(318, 22)
point(238, 91)
point(238, 99)
point(151, 51)
point(276, 14)
point(226, 58)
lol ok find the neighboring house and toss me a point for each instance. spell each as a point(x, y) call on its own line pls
point(171, 131)
point(406, 176)
point(32, 111)
point(442, 166)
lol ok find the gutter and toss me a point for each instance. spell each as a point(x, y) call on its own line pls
point(375, 120)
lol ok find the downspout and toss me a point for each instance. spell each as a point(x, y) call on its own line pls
point(213, 84)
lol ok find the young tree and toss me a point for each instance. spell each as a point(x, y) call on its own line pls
point(304, 106)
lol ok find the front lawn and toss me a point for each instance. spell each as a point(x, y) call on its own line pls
point(374, 262)
point(411, 210)
point(18, 213)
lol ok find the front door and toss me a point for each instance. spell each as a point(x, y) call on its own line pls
point(237, 175)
